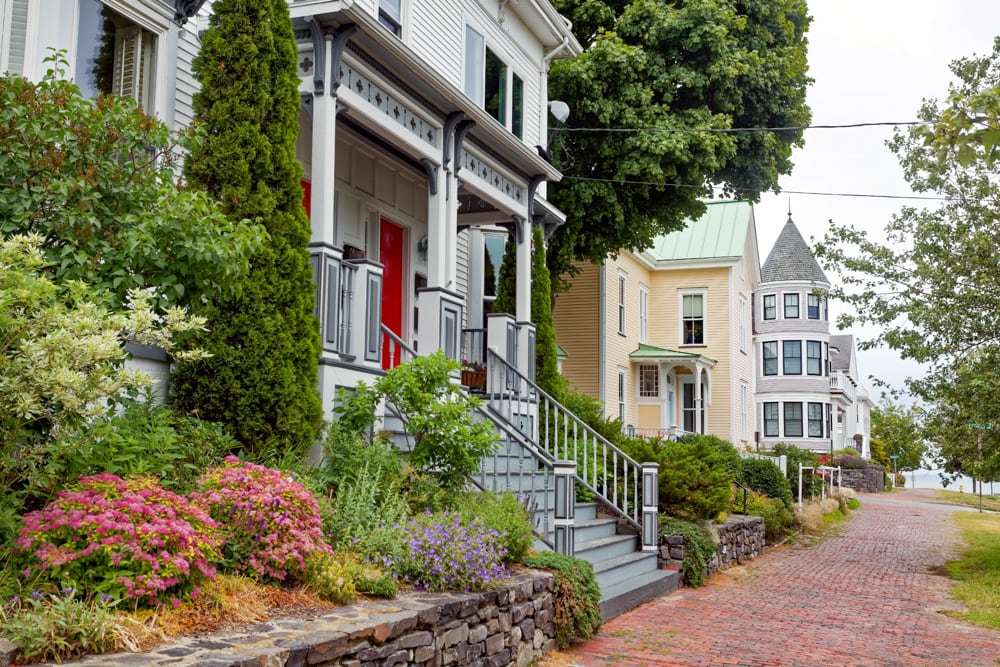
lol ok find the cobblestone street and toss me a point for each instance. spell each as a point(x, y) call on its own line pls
point(873, 594)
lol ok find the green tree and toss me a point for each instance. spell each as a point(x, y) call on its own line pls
point(96, 180)
point(261, 380)
point(668, 80)
point(900, 430)
point(930, 284)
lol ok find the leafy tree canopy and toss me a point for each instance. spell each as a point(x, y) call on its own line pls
point(96, 180)
point(670, 69)
point(900, 430)
point(930, 284)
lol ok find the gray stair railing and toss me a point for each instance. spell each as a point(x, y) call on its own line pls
point(620, 482)
point(534, 479)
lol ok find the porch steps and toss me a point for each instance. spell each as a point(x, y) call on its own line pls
point(627, 576)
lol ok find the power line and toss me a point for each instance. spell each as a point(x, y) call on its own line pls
point(784, 192)
point(735, 130)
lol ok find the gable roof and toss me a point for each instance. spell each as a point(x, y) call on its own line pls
point(791, 259)
point(845, 351)
point(720, 232)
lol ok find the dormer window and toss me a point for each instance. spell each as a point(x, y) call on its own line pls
point(492, 85)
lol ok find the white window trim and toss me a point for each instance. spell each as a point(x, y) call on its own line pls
point(643, 314)
point(703, 293)
point(798, 308)
point(622, 298)
point(763, 307)
point(743, 324)
point(655, 398)
point(622, 392)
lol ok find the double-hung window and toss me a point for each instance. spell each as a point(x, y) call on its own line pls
point(649, 381)
point(743, 324)
point(693, 319)
point(390, 14)
point(791, 353)
point(621, 394)
point(793, 420)
point(771, 358)
point(114, 55)
point(815, 420)
point(770, 306)
point(791, 306)
point(814, 357)
point(492, 84)
point(812, 309)
point(771, 420)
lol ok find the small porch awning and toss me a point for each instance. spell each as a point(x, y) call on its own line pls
point(650, 353)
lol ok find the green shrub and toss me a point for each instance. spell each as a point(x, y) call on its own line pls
point(577, 596)
point(764, 477)
point(778, 518)
point(696, 474)
point(699, 548)
point(795, 456)
point(850, 462)
point(331, 576)
point(853, 503)
point(57, 626)
point(372, 581)
point(503, 513)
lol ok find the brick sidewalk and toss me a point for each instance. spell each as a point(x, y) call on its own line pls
point(868, 597)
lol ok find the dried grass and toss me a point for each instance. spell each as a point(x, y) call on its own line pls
point(224, 603)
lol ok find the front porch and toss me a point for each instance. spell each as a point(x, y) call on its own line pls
point(674, 392)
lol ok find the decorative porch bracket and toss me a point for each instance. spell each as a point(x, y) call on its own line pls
point(650, 506)
point(565, 517)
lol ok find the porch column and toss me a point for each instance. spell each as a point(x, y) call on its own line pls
point(321, 199)
point(525, 330)
point(697, 401)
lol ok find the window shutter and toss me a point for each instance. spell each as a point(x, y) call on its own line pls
point(13, 31)
point(133, 64)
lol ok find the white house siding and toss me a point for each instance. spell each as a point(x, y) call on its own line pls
point(462, 273)
point(188, 46)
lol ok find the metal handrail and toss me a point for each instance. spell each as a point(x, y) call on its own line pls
point(563, 435)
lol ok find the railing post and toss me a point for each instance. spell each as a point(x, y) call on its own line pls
point(565, 522)
point(650, 506)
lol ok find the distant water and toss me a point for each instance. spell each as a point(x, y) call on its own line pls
point(930, 479)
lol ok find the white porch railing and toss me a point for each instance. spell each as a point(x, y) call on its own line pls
point(663, 433)
point(625, 485)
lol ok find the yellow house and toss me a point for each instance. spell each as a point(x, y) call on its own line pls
point(663, 337)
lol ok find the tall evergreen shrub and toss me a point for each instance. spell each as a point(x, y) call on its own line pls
point(546, 359)
point(261, 381)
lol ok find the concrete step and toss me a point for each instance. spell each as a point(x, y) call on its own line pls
point(606, 548)
point(594, 529)
point(620, 597)
point(621, 570)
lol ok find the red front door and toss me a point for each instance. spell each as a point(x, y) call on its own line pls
point(392, 255)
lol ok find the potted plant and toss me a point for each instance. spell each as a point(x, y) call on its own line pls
point(473, 374)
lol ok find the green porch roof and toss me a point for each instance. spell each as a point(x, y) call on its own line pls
point(721, 232)
point(652, 352)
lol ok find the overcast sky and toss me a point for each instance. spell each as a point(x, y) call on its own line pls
point(872, 61)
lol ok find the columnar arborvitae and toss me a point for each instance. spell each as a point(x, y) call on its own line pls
point(546, 359)
point(261, 381)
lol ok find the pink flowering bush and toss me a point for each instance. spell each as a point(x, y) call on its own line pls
point(128, 538)
point(271, 522)
point(448, 553)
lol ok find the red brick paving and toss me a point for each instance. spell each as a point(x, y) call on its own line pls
point(867, 597)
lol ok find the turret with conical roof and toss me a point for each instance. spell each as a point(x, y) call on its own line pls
point(791, 259)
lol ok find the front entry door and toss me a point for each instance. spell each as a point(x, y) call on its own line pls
point(392, 255)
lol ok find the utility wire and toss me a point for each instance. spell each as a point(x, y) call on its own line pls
point(784, 192)
point(735, 130)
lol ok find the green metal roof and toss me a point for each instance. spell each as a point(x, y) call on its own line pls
point(652, 352)
point(561, 353)
point(721, 232)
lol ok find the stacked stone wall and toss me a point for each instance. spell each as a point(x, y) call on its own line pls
point(510, 626)
point(864, 480)
point(739, 539)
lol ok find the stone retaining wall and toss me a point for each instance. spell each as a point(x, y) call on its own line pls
point(864, 480)
point(512, 625)
point(740, 538)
